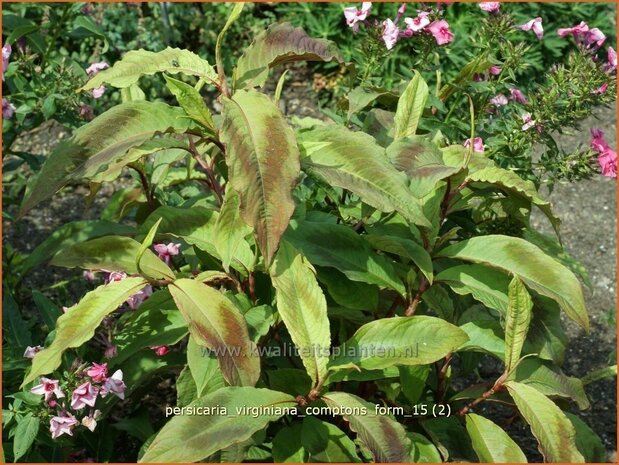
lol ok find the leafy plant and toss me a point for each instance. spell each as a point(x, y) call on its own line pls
point(313, 289)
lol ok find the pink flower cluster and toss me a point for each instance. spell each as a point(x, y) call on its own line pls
point(478, 144)
point(607, 157)
point(93, 69)
point(84, 395)
point(534, 25)
point(167, 251)
point(591, 37)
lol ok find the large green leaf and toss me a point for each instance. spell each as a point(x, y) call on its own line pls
point(98, 144)
point(485, 284)
point(263, 164)
point(406, 248)
point(112, 253)
point(216, 323)
point(344, 250)
point(204, 368)
point(554, 431)
point(279, 44)
point(191, 438)
point(517, 322)
point(410, 107)
point(513, 184)
point(230, 231)
point(303, 308)
point(536, 269)
point(415, 340)
point(138, 63)
point(382, 435)
point(491, 443)
point(79, 323)
point(354, 161)
point(484, 336)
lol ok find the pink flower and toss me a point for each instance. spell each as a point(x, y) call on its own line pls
point(608, 163)
point(48, 388)
point(160, 351)
point(110, 351)
point(115, 385)
point(60, 425)
point(440, 31)
point(612, 59)
point(90, 421)
point(7, 109)
point(6, 54)
point(499, 100)
point(84, 395)
point(478, 144)
point(600, 90)
point(390, 33)
point(166, 251)
point(518, 96)
point(89, 275)
point(495, 70)
point(402, 9)
point(595, 36)
point(578, 30)
point(353, 15)
point(137, 299)
point(418, 23)
point(52, 403)
point(535, 25)
point(98, 92)
point(528, 121)
point(30, 352)
point(490, 7)
point(116, 276)
point(87, 114)
point(98, 372)
point(598, 143)
point(96, 67)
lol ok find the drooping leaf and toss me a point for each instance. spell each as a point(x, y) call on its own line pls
point(263, 164)
point(383, 436)
point(344, 250)
point(539, 272)
point(588, 443)
point(415, 340)
point(138, 63)
point(203, 435)
point(517, 322)
point(553, 430)
point(303, 308)
point(279, 44)
point(326, 443)
point(204, 368)
point(491, 443)
point(191, 101)
point(354, 161)
point(215, 322)
point(79, 323)
point(406, 248)
point(98, 144)
point(410, 107)
point(112, 253)
point(230, 231)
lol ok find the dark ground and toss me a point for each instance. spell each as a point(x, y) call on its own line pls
point(587, 210)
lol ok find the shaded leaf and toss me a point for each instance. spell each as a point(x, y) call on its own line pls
point(326, 443)
point(287, 445)
point(491, 443)
point(423, 449)
point(15, 328)
point(588, 443)
point(204, 368)
point(413, 381)
point(406, 248)
point(230, 231)
point(25, 433)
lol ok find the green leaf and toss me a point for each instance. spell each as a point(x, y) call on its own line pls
point(597, 375)
point(349, 294)
point(491, 443)
point(185, 388)
point(354, 161)
point(346, 251)
point(360, 97)
point(410, 107)
point(537, 270)
point(517, 322)
point(204, 368)
point(485, 336)
point(423, 449)
point(144, 247)
point(230, 232)
point(513, 184)
point(550, 380)
point(553, 430)
point(415, 340)
point(326, 443)
point(216, 323)
point(191, 101)
point(79, 323)
point(413, 381)
point(450, 438)
point(96, 145)
point(263, 165)
point(484, 284)
point(138, 63)
point(303, 308)
point(546, 336)
point(383, 436)
point(203, 435)
point(15, 328)
point(235, 13)
point(112, 253)
point(589, 444)
point(279, 44)
point(25, 433)
point(48, 310)
point(86, 27)
point(406, 248)
point(287, 445)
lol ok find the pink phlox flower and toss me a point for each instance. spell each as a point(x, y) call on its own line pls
point(612, 60)
point(600, 90)
point(6, 54)
point(499, 100)
point(595, 37)
point(495, 70)
point(115, 385)
point(417, 24)
point(597, 142)
point(64, 424)
point(97, 372)
point(30, 352)
point(518, 96)
point(48, 388)
point(354, 15)
point(608, 163)
point(490, 7)
point(166, 251)
point(478, 144)
point(138, 299)
point(8, 109)
point(90, 421)
point(440, 31)
point(115, 276)
point(160, 351)
point(391, 33)
point(96, 67)
point(98, 92)
point(535, 25)
point(577, 31)
point(528, 121)
point(83, 395)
